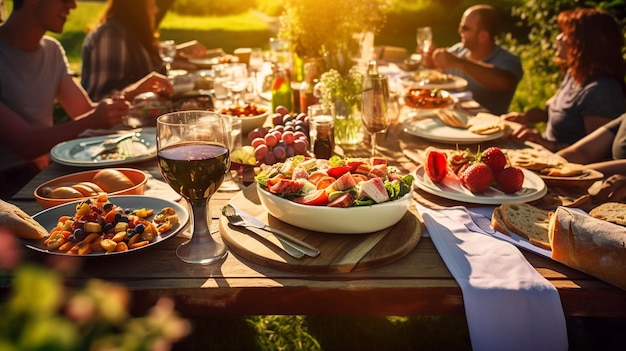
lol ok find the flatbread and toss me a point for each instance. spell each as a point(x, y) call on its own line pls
point(564, 170)
point(452, 118)
point(20, 223)
point(534, 159)
point(485, 124)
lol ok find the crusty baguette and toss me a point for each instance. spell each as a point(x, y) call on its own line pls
point(528, 221)
point(590, 245)
point(20, 223)
point(614, 212)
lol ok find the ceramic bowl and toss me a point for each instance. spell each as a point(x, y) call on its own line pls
point(251, 115)
point(332, 220)
point(138, 177)
point(428, 99)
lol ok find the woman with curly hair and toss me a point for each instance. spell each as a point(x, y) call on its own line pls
point(589, 49)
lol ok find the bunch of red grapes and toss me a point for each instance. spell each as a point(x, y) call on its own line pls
point(288, 137)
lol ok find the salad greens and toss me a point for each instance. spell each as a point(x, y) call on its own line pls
point(338, 182)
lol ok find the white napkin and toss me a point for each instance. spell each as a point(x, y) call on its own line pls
point(508, 304)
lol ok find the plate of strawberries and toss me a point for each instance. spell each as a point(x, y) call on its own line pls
point(484, 177)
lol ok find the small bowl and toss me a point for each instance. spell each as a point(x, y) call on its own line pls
point(139, 178)
point(248, 121)
point(428, 99)
point(333, 220)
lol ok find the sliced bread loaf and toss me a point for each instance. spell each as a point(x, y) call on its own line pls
point(497, 222)
point(614, 212)
point(528, 221)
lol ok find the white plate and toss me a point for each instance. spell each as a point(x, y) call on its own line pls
point(72, 154)
point(455, 83)
point(49, 218)
point(433, 129)
point(533, 188)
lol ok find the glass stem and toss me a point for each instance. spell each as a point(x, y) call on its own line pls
point(201, 221)
point(373, 144)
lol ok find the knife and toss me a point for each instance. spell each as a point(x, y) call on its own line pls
point(308, 249)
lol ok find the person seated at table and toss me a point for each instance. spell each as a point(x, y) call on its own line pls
point(122, 47)
point(604, 149)
point(34, 74)
point(491, 71)
point(592, 92)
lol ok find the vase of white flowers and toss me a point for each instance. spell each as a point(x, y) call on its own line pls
point(344, 93)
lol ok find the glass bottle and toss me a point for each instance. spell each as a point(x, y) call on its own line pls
point(313, 69)
point(324, 144)
point(281, 89)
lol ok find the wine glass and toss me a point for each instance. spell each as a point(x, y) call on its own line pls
point(374, 106)
point(424, 39)
point(167, 51)
point(256, 65)
point(193, 155)
point(236, 80)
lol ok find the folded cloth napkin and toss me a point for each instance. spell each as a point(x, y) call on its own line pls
point(508, 304)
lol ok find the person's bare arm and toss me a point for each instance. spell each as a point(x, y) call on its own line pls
point(592, 123)
point(595, 147)
point(30, 142)
point(485, 74)
point(73, 97)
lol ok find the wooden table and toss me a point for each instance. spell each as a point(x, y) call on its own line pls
point(417, 284)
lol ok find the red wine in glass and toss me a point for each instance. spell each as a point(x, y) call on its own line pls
point(194, 169)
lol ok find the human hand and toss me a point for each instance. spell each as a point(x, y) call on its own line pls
point(613, 189)
point(427, 56)
point(441, 58)
point(523, 133)
point(192, 49)
point(152, 82)
point(110, 111)
point(517, 117)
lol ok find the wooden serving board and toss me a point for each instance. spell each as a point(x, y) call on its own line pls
point(340, 253)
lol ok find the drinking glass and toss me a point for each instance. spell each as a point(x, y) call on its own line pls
point(193, 156)
point(167, 51)
point(256, 65)
point(234, 129)
point(424, 39)
point(374, 106)
point(236, 81)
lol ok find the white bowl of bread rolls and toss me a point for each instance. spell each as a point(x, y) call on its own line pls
point(75, 186)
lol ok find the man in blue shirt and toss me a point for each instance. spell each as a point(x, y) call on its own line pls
point(492, 72)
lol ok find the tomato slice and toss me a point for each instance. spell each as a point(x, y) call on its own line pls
point(338, 171)
point(314, 198)
point(436, 166)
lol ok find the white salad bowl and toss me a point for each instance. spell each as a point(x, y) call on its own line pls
point(334, 220)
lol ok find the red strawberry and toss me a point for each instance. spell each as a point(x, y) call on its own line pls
point(494, 158)
point(477, 177)
point(510, 179)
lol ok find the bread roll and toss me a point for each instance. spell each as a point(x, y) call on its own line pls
point(111, 180)
point(20, 223)
point(64, 192)
point(590, 245)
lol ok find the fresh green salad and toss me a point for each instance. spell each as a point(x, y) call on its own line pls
point(336, 182)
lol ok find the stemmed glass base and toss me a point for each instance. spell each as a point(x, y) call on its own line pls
point(201, 248)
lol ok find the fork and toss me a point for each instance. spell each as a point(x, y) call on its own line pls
point(291, 242)
point(109, 145)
